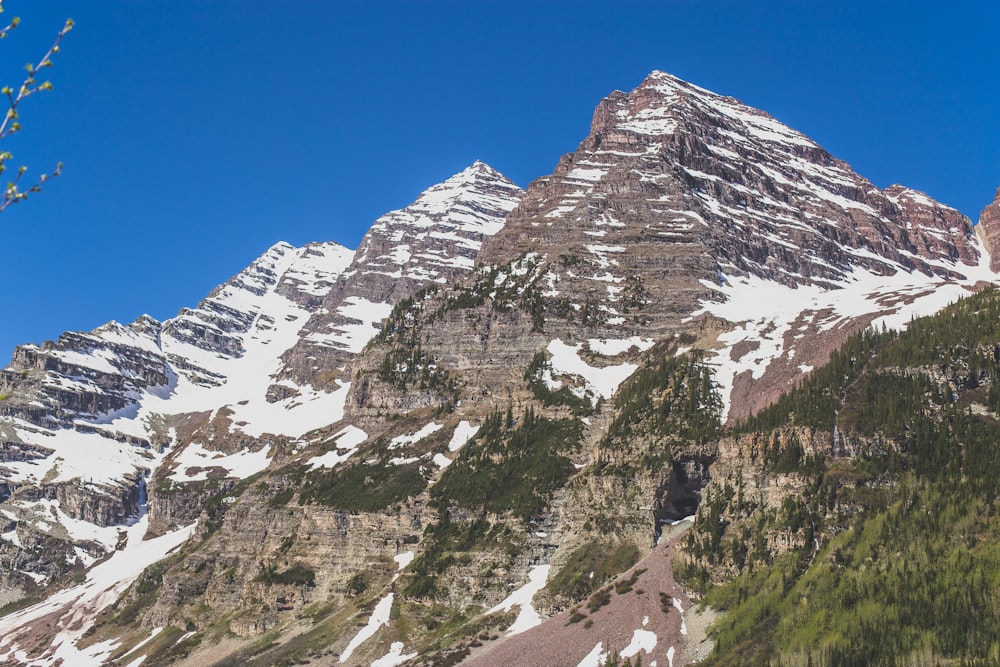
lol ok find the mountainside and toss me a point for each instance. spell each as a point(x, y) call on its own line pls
point(204, 396)
point(854, 521)
point(488, 413)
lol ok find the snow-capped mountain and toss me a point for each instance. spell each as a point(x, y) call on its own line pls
point(681, 201)
point(469, 422)
point(87, 417)
point(432, 241)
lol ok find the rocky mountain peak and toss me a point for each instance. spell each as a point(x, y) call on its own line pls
point(732, 190)
point(432, 241)
point(989, 230)
point(440, 232)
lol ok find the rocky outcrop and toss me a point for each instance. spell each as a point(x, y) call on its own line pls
point(83, 376)
point(989, 230)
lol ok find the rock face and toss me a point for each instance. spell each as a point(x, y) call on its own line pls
point(497, 385)
point(432, 241)
point(677, 181)
point(989, 230)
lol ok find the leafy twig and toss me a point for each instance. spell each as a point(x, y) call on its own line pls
point(12, 193)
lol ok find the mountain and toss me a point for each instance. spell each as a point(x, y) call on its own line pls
point(483, 417)
point(430, 242)
point(206, 394)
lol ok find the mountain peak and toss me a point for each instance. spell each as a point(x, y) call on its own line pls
point(732, 188)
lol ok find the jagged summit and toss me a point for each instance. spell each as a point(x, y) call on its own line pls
point(657, 107)
point(732, 190)
point(473, 201)
point(432, 241)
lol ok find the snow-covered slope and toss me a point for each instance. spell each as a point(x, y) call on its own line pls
point(85, 420)
point(87, 416)
point(432, 241)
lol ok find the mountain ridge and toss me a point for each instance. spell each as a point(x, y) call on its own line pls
point(528, 391)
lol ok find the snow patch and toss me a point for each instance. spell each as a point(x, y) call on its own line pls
point(347, 440)
point(414, 438)
point(241, 464)
point(642, 640)
point(463, 433)
point(595, 658)
point(379, 617)
point(394, 657)
point(603, 382)
point(527, 618)
point(79, 605)
point(612, 348)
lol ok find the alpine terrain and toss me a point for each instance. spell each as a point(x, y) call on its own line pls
point(701, 394)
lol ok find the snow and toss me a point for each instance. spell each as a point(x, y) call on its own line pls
point(11, 536)
point(642, 640)
point(612, 348)
point(527, 618)
point(157, 630)
point(586, 174)
point(79, 605)
point(654, 122)
point(680, 610)
point(35, 576)
point(602, 382)
point(441, 461)
point(347, 439)
point(595, 658)
point(240, 464)
point(76, 455)
point(670, 657)
point(394, 657)
point(414, 438)
point(47, 516)
point(763, 311)
point(403, 460)
point(403, 559)
point(463, 433)
point(379, 617)
point(365, 319)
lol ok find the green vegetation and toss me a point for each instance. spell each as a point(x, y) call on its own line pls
point(672, 401)
point(20, 603)
point(511, 467)
point(141, 594)
point(363, 487)
point(590, 567)
point(281, 498)
point(296, 575)
point(407, 366)
point(615, 660)
point(900, 564)
point(447, 543)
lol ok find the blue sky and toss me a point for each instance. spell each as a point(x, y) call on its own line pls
point(195, 134)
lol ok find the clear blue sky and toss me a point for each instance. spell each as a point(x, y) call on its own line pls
point(195, 134)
